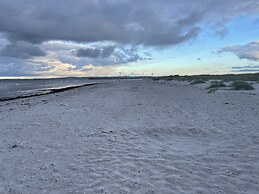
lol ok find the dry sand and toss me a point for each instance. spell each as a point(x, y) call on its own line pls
point(131, 136)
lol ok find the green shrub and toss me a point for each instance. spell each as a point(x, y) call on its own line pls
point(217, 84)
point(197, 81)
point(241, 85)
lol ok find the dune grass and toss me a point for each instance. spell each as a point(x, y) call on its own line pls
point(239, 80)
point(225, 78)
point(217, 84)
point(241, 85)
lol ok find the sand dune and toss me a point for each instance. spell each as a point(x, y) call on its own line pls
point(131, 136)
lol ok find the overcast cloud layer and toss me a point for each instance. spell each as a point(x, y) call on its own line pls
point(26, 24)
point(148, 22)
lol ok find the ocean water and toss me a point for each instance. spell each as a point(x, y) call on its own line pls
point(23, 87)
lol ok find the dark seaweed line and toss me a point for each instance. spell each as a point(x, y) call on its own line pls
point(50, 91)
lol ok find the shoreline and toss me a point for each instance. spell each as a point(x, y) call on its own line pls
point(46, 92)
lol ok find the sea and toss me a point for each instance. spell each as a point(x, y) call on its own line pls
point(11, 88)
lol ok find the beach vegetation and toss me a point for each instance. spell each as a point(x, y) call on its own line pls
point(205, 77)
point(217, 84)
point(241, 85)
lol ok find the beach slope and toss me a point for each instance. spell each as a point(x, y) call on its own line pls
point(131, 136)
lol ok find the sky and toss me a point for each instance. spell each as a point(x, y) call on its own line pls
point(61, 38)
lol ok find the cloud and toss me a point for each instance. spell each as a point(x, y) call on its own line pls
point(146, 22)
point(107, 51)
point(246, 68)
point(29, 28)
point(124, 55)
point(99, 55)
point(95, 52)
point(249, 51)
point(18, 67)
point(22, 49)
point(89, 52)
point(81, 68)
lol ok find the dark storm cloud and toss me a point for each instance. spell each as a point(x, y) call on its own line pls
point(22, 49)
point(95, 52)
point(146, 22)
point(88, 52)
point(249, 51)
point(107, 51)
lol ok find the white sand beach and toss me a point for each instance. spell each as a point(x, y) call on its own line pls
point(131, 136)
